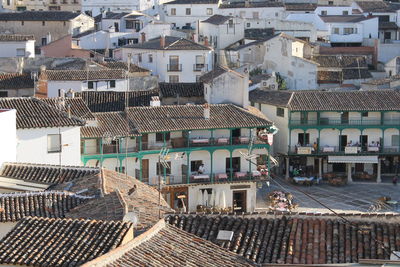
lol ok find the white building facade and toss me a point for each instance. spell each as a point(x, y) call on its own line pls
point(8, 141)
point(14, 45)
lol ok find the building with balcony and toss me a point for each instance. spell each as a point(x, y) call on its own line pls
point(173, 59)
point(206, 148)
point(354, 133)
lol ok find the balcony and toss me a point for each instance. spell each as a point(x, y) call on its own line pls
point(200, 67)
point(344, 150)
point(211, 178)
point(338, 122)
point(174, 67)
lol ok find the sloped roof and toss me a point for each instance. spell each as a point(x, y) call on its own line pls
point(45, 173)
point(16, 37)
point(341, 61)
point(123, 66)
point(217, 19)
point(171, 43)
point(109, 101)
point(311, 100)
point(39, 16)
point(191, 117)
point(300, 6)
point(76, 105)
point(214, 73)
point(295, 239)
point(377, 6)
point(35, 113)
point(181, 89)
point(166, 245)
point(83, 75)
point(250, 4)
point(343, 18)
point(258, 34)
point(52, 204)
point(16, 81)
point(38, 241)
point(192, 2)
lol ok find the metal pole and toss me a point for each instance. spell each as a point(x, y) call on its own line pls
point(159, 186)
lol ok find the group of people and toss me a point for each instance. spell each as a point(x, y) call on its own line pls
point(357, 144)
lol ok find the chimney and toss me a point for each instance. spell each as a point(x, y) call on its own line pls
point(206, 41)
point(155, 101)
point(71, 93)
point(42, 68)
point(162, 41)
point(206, 111)
point(143, 37)
point(69, 111)
point(104, 14)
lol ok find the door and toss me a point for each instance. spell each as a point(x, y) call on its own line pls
point(239, 200)
point(235, 135)
point(342, 141)
point(359, 167)
point(145, 141)
point(145, 170)
point(316, 166)
point(344, 117)
point(235, 164)
point(364, 142)
point(304, 138)
point(303, 117)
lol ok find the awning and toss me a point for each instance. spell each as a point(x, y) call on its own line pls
point(352, 159)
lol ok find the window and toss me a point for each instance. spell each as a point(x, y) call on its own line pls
point(303, 139)
point(348, 31)
point(44, 41)
point(230, 23)
point(173, 78)
point(112, 84)
point(198, 78)
point(160, 137)
point(53, 143)
point(140, 57)
point(90, 85)
point(43, 23)
point(324, 12)
point(280, 112)
point(330, 3)
point(20, 52)
point(364, 114)
point(150, 58)
point(188, 11)
point(248, 24)
point(200, 60)
point(173, 63)
point(345, 13)
point(335, 30)
point(195, 164)
point(65, 23)
point(3, 94)
point(255, 15)
point(22, 23)
point(161, 167)
point(173, 11)
point(209, 11)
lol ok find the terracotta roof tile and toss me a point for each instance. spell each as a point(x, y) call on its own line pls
point(60, 242)
point(45, 173)
point(123, 66)
point(35, 113)
point(171, 43)
point(52, 204)
point(250, 4)
point(181, 89)
point(296, 240)
point(16, 38)
point(83, 75)
point(16, 81)
point(39, 16)
point(217, 19)
point(76, 105)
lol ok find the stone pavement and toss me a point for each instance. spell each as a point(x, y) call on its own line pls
point(355, 197)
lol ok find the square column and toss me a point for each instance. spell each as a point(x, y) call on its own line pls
point(287, 168)
point(349, 179)
point(320, 168)
point(378, 172)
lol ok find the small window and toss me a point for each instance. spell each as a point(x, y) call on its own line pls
point(174, 79)
point(44, 41)
point(3, 94)
point(112, 84)
point(248, 24)
point(324, 12)
point(330, 3)
point(230, 23)
point(43, 23)
point(348, 31)
point(90, 85)
point(53, 143)
point(280, 112)
point(140, 57)
point(160, 138)
point(20, 52)
point(65, 23)
point(209, 11)
point(173, 11)
point(188, 11)
point(364, 114)
point(22, 23)
point(335, 30)
point(150, 58)
point(345, 13)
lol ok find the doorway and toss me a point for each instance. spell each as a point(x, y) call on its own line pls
point(303, 138)
point(145, 141)
point(364, 142)
point(145, 170)
point(342, 142)
point(239, 201)
point(344, 117)
point(235, 164)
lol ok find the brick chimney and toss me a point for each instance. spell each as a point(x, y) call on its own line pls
point(162, 41)
point(143, 37)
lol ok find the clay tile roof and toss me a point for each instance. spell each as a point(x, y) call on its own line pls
point(52, 204)
point(35, 113)
point(123, 65)
point(343, 18)
point(276, 98)
point(166, 245)
point(258, 34)
point(376, 6)
point(83, 75)
point(296, 240)
point(115, 101)
point(61, 242)
point(250, 4)
point(217, 19)
point(335, 61)
point(192, 2)
point(16, 38)
point(181, 89)
point(191, 117)
point(211, 75)
point(127, 195)
point(114, 123)
point(300, 6)
point(76, 105)
point(16, 81)
point(45, 173)
point(171, 43)
point(38, 16)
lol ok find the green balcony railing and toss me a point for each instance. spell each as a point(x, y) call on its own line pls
point(344, 122)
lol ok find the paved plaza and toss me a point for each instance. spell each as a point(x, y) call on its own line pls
point(355, 197)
